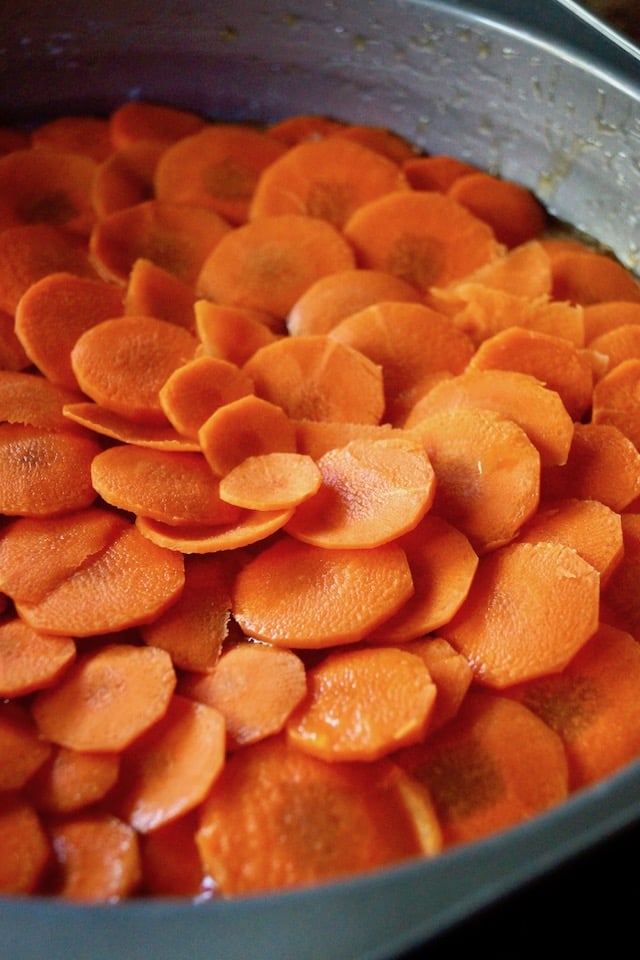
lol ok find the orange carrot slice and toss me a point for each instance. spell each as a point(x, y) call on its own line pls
point(122, 364)
point(107, 423)
point(450, 672)
point(232, 333)
point(620, 605)
point(25, 845)
point(255, 686)
point(602, 317)
point(153, 291)
point(22, 750)
point(318, 378)
point(269, 263)
point(244, 428)
point(621, 343)
point(107, 698)
point(371, 493)
point(30, 660)
point(98, 858)
point(363, 704)
point(370, 815)
point(171, 863)
point(141, 120)
point(251, 527)
point(615, 399)
point(125, 178)
point(436, 172)
point(425, 238)
point(529, 610)
point(317, 437)
point(12, 353)
point(73, 780)
point(192, 392)
point(379, 139)
point(85, 134)
point(589, 277)
point(513, 212)
point(281, 594)
point(271, 481)
point(298, 127)
point(328, 178)
point(29, 399)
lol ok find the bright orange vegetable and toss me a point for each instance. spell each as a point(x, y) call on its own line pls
point(141, 120)
point(22, 750)
point(125, 178)
point(71, 780)
point(152, 291)
point(243, 428)
point(271, 481)
point(514, 212)
point(26, 850)
point(97, 858)
point(82, 134)
point(29, 660)
point(200, 386)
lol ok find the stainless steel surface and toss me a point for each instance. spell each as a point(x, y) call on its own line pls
point(533, 94)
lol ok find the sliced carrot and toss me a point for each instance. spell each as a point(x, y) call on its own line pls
point(299, 820)
point(12, 353)
point(621, 343)
point(520, 397)
point(31, 252)
point(554, 361)
point(425, 238)
point(363, 704)
point(122, 364)
point(317, 378)
point(22, 750)
point(153, 291)
point(47, 186)
point(26, 850)
point(199, 387)
point(85, 134)
point(245, 428)
point(52, 315)
point(107, 698)
point(271, 481)
point(252, 527)
point(495, 765)
point(379, 139)
point(487, 473)
point(436, 172)
point(30, 400)
point(450, 672)
point(269, 263)
point(283, 595)
point(195, 627)
point(44, 473)
point(232, 333)
point(37, 554)
point(587, 277)
point(603, 464)
point(106, 423)
point(71, 608)
point(171, 486)
point(372, 492)
point(218, 167)
point(592, 529)
point(142, 120)
point(71, 780)
point(170, 768)
point(328, 178)
point(443, 564)
point(604, 316)
point(336, 296)
point(620, 606)
point(513, 211)
point(125, 178)
point(294, 129)
point(529, 610)
point(255, 686)
point(410, 341)
point(97, 856)
point(317, 437)
point(171, 863)
point(31, 660)
point(615, 399)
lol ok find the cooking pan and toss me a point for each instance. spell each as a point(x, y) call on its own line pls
point(541, 93)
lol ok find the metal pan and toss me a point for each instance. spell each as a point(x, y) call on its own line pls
point(539, 92)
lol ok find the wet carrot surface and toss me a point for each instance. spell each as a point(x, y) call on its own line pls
point(319, 506)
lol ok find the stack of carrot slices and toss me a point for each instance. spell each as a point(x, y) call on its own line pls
point(319, 499)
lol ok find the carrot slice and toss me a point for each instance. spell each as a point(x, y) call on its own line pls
point(281, 595)
point(317, 437)
point(487, 473)
point(252, 526)
point(107, 698)
point(31, 252)
point(328, 178)
point(31, 660)
point(410, 341)
point(529, 610)
point(177, 238)
point(171, 863)
point(513, 211)
point(142, 120)
point(26, 850)
point(77, 133)
point(495, 765)
point(54, 312)
point(621, 343)
point(520, 397)
point(106, 423)
point(269, 263)
point(363, 704)
point(299, 820)
point(153, 291)
point(125, 178)
point(29, 399)
point(232, 333)
point(379, 139)
point(192, 392)
point(592, 705)
point(218, 168)
point(443, 564)
point(371, 493)
point(255, 686)
point(302, 126)
point(620, 605)
point(98, 858)
point(44, 473)
point(615, 399)
point(588, 277)
point(244, 428)
point(47, 186)
point(195, 627)
point(71, 608)
point(122, 364)
point(12, 353)
point(336, 296)
point(425, 238)
point(170, 768)
point(554, 361)
point(487, 311)
point(318, 378)
point(436, 172)
point(602, 317)
point(271, 481)
point(71, 780)
point(451, 673)
point(22, 750)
